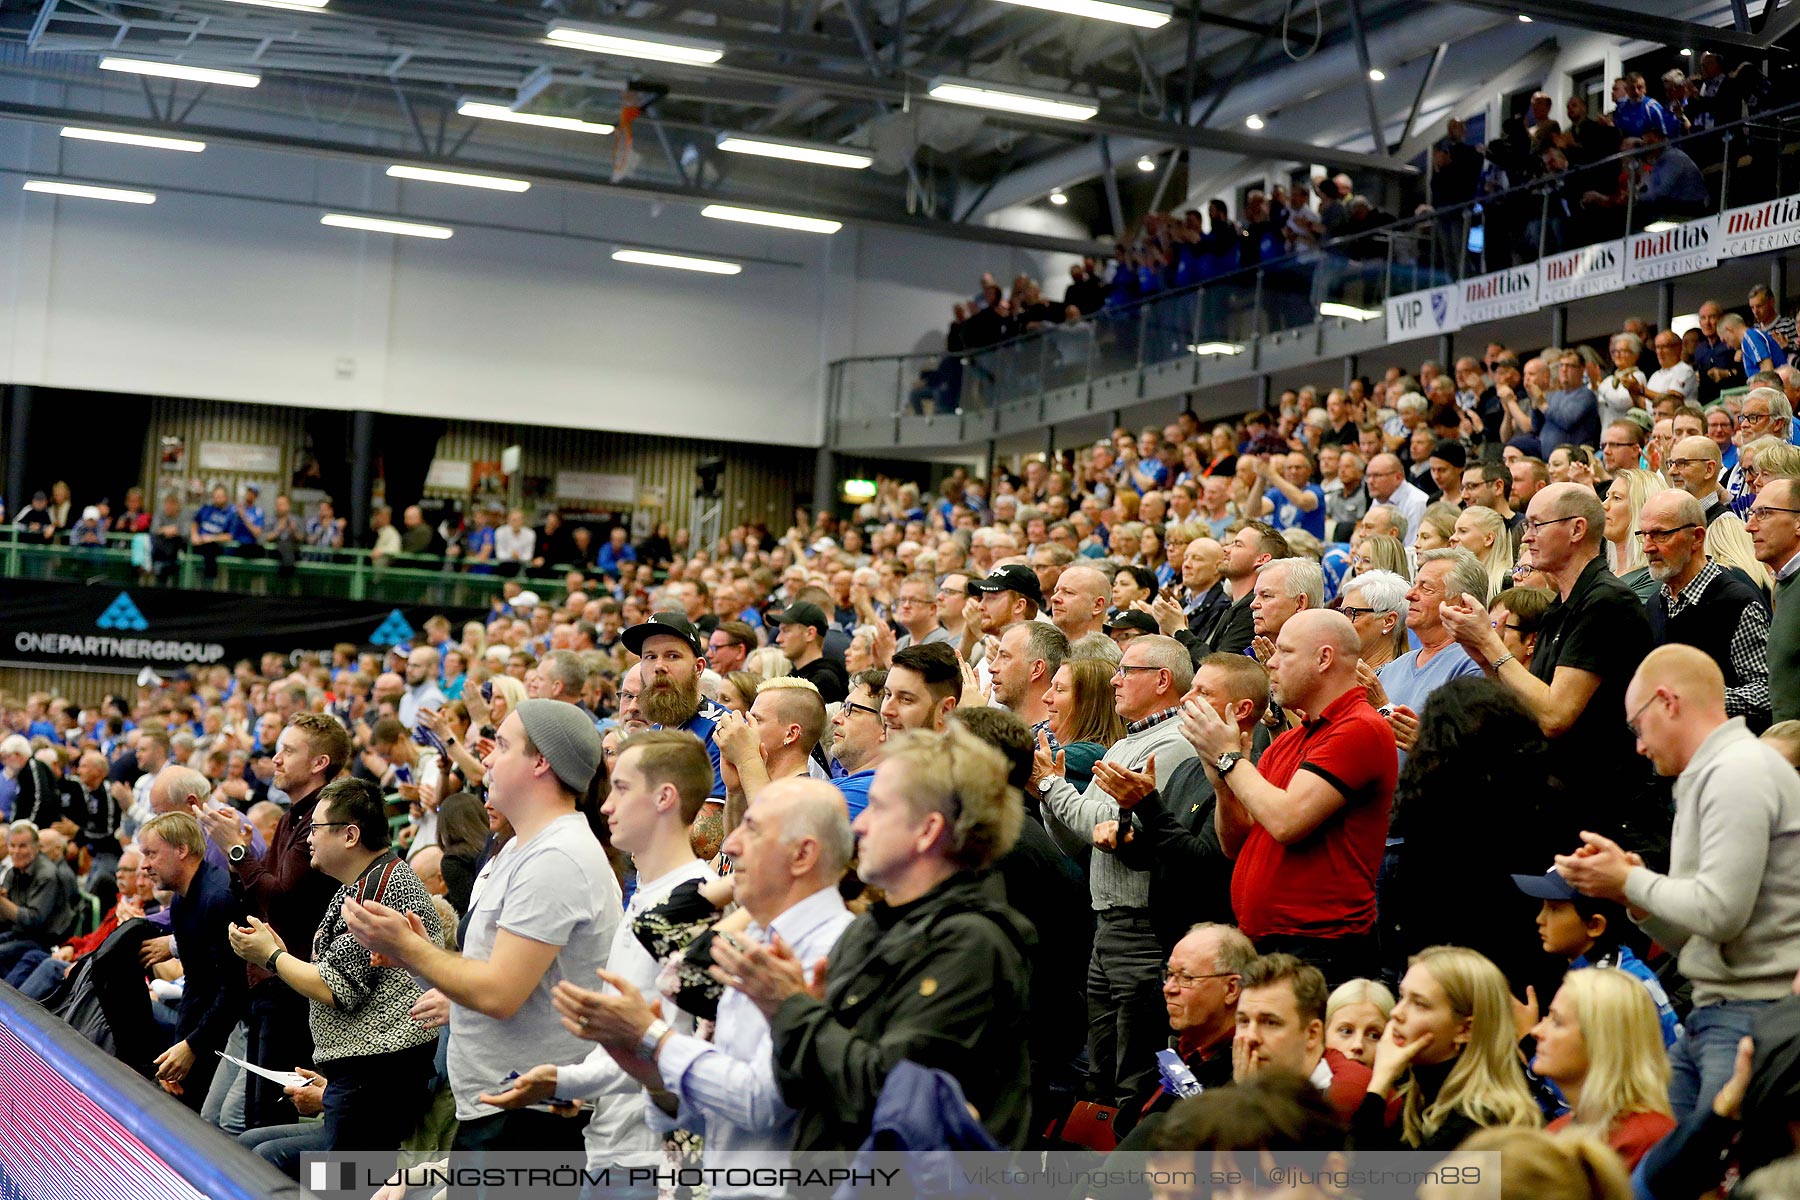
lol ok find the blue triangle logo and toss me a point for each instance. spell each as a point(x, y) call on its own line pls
point(391, 631)
point(123, 614)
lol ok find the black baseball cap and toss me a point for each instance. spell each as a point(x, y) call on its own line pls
point(802, 613)
point(1014, 578)
point(670, 624)
point(1548, 886)
point(1451, 452)
point(1133, 618)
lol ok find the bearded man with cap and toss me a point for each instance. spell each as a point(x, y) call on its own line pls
point(548, 912)
point(670, 662)
point(800, 632)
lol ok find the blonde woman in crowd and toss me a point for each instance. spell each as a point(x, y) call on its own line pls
point(1483, 533)
point(1450, 1052)
point(1624, 550)
point(1437, 527)
point(1380, 553)
point(768, 662)
point(1728, 544)
point(1617, 1081)
point(1355, 1016)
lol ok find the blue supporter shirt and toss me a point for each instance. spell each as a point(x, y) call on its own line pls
point(856, 790)
point(480, 538)
point(1407, 683)
point(241, 532)
point(1624, 960)
point(1288, 515)
point(701, 725)
point(212, 520)
point(1758, 346)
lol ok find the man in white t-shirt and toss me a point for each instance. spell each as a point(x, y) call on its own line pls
point(660, 781)
point(1672, 377)
point(547, 911)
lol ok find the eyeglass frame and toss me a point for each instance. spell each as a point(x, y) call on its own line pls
point(1660, 537)
point(855, 707)
point(1631, 721)
point(1754, 511)
point(1171, 975)
point(1532, 526)
point(312, 825)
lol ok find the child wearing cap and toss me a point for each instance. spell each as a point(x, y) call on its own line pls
point(1584, 931)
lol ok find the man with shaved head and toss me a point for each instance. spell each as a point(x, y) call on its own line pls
point(1730, 901)
point(1694, 466)
point(1591, 640)
point(1307, 823)
point(1079, 601)
point(1702, 605)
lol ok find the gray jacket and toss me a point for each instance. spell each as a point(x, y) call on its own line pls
point(1731, 899)
point(45, 894)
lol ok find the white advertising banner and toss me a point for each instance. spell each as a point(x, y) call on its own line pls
point(1678, 250)
point(1771, 225)
point(1423, 314)
point(1498, 294)
point(1577, 274)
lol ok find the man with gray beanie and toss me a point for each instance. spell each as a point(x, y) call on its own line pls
point(548, 912)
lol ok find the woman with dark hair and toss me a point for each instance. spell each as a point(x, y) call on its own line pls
point(1473, 808)
point(462, 833)
point(655, 549)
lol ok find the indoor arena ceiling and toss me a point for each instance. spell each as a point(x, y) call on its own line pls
point(1221, 83)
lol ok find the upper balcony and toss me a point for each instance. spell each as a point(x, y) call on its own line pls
point(1485, 267)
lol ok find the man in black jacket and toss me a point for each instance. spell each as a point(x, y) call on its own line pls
point(1171, 832)
point(935, 973)
point(212, 998)
point(1253, 546)
point(39, 799)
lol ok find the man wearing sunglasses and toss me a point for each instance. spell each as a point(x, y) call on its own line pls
point(1702, 605)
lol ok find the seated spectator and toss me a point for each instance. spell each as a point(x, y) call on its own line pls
point(1356, 1014)
point(1281, 1027)
point(1449, 1058)
point(1536, 1165)
point(1601, 1045)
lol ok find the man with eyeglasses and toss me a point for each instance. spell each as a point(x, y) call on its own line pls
point(1590, 641)
point(1774, 525)
point(1622, 445)
point(1766, 413)
point(377, 1059)
point(952, 596)
point(1388, 485)
point(1704, 606)
point(916, 612)
point(857, 734)
point(1201, 986)
point(1729, 903)
point(728, 646)
point(1124, 1028)
point(1694, 467)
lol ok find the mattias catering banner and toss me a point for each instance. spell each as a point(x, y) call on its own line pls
point(71, 625)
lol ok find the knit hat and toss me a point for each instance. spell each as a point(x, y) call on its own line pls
point(566, 737)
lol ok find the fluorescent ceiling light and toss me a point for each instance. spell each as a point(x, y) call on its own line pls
point(1686, 53)
point(301, 5)
point(757, 216)
point(380, 225)
point(1057, 197)
point(859, 490)
point(1028, 101)
point(499, 112)
point(58, 188)
point(492, 183)
point(1146, 163)
point(793, 151)
point(1331, 308)
point(1376, 74)
point(1253, 121)
point(679, 262)
point(1125, 12)
point(1659, 226)
point(139, 66)
point(1217, 348)
point(1524, 20)
point(146, 140)
point(627, 43)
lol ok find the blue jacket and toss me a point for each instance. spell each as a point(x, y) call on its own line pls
point(922, 1111)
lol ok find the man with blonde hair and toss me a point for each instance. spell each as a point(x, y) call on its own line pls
point(776, 739)
point(934, 973)
point(1730, 901)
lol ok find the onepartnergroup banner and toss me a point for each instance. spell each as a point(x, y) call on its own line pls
point(1664, 251)
point(917, 1175)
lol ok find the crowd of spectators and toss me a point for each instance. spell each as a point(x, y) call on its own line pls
point(1411, 765)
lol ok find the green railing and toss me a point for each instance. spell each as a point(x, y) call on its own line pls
point(345, 574)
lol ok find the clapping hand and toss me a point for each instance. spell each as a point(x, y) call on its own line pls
point(767, 975)
point(1044, 764)
point(1405, 724)
point(1124, 785)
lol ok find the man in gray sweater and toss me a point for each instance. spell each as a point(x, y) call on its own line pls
point(1127, 1017)
point(1730, 903)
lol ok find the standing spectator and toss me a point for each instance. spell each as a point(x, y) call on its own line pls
point(801, 635)
point(515, 543)
point(1756, 350)
point(422, 690)
point(212, 997)
point(1588, 645)
point(1125, 1027)
point(1388, 486)
point(1078, 603)
point(545, 911)
point(1730, 901)
point(952, 999)
point(1715, 359)
point(1306, 826)
point(1703, 606)
point(1768, 317)
point(281, 887)
point(1407, 682)
point(1571, 412)
point(1774, 524)
point(1673, 379)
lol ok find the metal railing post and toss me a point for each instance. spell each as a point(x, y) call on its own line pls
point(1543, 227)
point(1725, 173)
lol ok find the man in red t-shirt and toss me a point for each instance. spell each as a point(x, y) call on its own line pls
point(1307, 824)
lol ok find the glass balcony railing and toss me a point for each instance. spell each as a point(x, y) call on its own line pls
point(1560, 236)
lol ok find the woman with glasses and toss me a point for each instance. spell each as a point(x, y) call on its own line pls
point(1083, 719)
point(1375, 602)
point(1518, 613)
point(1624, 550)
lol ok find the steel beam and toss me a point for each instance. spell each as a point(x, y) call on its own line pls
point(1630, 23)
point(1377, 138)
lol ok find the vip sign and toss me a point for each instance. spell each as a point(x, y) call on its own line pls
point(1680, 250)
point(1768, 226)
point(1423, 314)
point(1499, 294)
point(1576, 274)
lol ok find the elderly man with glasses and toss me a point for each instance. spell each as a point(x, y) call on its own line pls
point(1766, 413)
point(1694, 467)
point(1701, 604)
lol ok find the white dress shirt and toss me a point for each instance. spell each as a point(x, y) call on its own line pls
point(727, 1086)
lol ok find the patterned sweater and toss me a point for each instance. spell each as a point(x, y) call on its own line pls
point(372, 1002)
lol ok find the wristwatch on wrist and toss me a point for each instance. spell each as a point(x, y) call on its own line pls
point(1043, 786)
point(1228, 760)
point(237, 853)
point(653, 1036)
